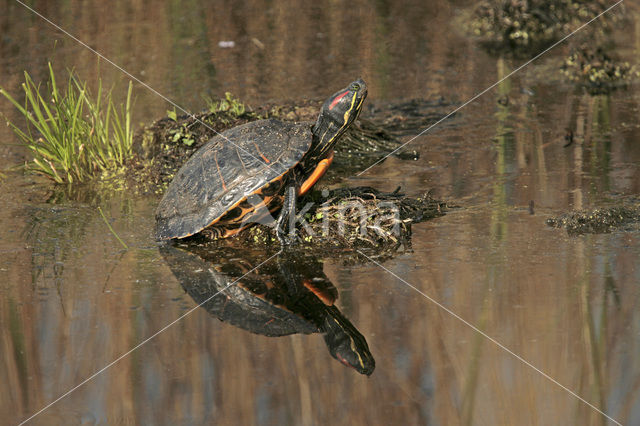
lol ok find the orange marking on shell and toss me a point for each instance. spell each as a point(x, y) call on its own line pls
point(267, 201)
point(232, 232)
point(224, 186)
point(261, 154)
point(216, 220)
point(319, 171)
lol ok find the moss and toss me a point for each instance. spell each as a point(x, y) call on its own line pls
point(599, 220)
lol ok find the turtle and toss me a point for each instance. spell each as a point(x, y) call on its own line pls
point(279, 299)
point(250, 172)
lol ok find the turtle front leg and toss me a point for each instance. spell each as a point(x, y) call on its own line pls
point(285, 226)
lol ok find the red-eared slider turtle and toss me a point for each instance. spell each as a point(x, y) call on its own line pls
point(270, 159)
point(278, 299)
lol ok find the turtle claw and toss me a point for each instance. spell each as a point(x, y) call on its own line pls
point(285, 238)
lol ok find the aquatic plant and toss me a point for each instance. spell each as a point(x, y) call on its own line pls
point(599, 220)
point(182, 132)
point(73, 136)
point(596, 71)
point(227, 104)
point(531, 23)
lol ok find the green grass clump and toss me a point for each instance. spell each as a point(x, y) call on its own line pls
point(228, 104)
point(73, 136)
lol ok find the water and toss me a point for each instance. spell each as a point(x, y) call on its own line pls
point(73, 299)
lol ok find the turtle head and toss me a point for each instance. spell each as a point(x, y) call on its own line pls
point(346, 344)
point(338, 112)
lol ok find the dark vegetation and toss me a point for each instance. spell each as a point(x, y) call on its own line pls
point(524, 28)
point(596, 71)
point(599, 220)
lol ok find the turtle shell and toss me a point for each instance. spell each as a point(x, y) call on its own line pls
point(213, 185)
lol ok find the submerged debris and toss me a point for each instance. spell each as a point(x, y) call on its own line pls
point(348, 218)
point(597, 221)
point(530, 24)
point(596, 71)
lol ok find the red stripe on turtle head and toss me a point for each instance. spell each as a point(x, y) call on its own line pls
point(344, 361)
point(337, 99)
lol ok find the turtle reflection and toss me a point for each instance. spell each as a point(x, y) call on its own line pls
point(282, 297)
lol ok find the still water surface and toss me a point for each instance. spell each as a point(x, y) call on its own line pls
point(72, 299)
